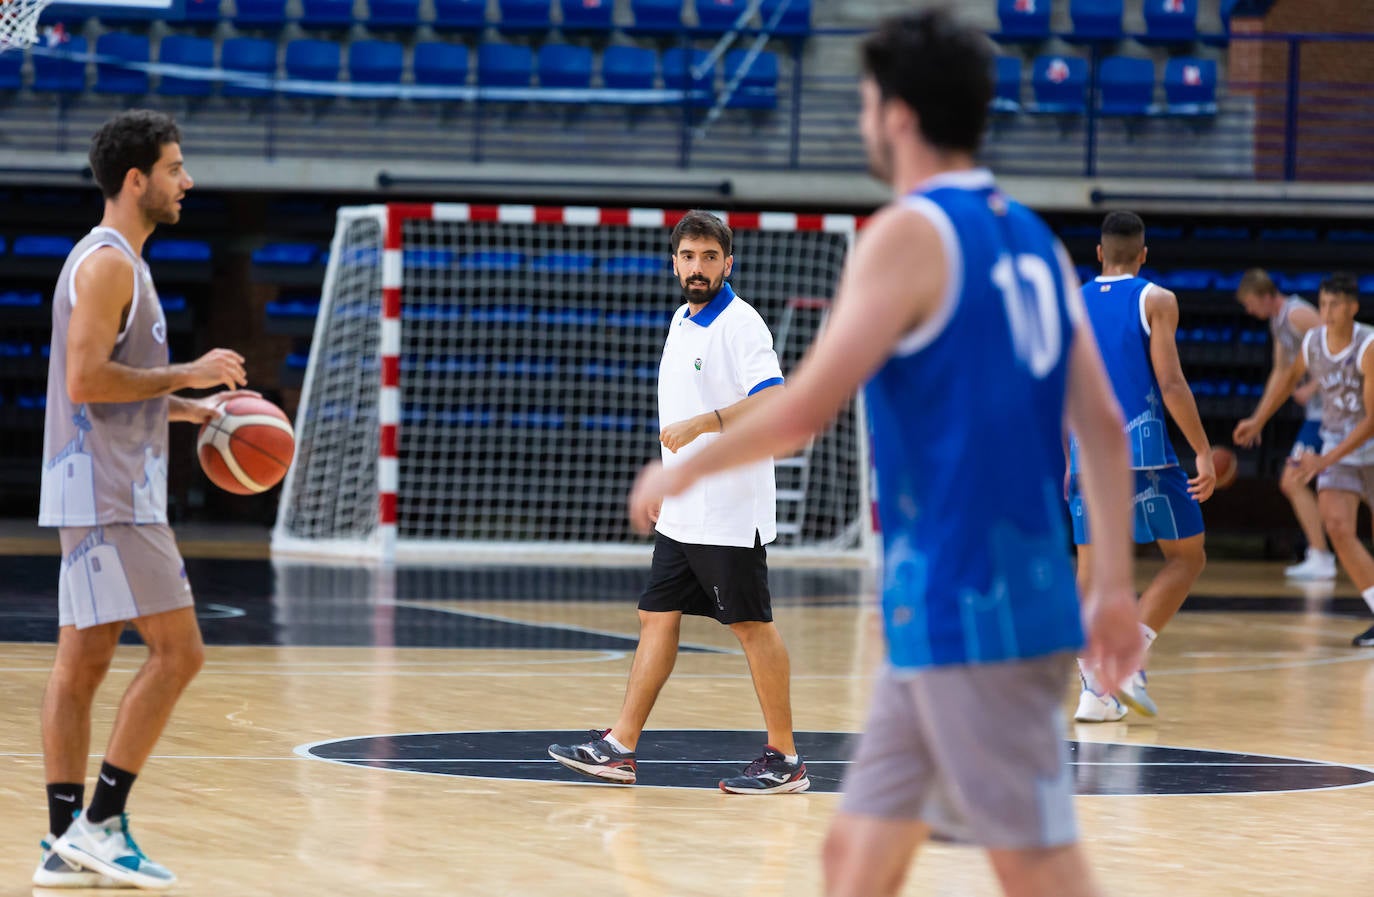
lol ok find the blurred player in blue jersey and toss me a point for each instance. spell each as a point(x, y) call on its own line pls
point(1134, 322)
point(961, 313)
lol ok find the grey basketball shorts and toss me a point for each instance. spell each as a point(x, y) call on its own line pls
point(1356, 478)
point(976, 752)
point(119, 571)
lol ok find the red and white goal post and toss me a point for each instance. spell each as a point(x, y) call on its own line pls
point(482, 384)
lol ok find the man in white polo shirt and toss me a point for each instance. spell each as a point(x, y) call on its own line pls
point(709, 558)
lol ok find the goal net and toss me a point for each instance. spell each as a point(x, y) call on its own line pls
point(483, 382)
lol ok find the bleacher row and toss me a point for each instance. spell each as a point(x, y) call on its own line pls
point(514, 16)
point(381, 62)
point(1126, 86)
point(1166, 21)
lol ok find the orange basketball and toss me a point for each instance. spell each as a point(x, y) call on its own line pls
point(247, 449)
point(1224, 460)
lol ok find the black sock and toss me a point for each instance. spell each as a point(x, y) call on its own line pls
point(64, 799)
point(111, 793)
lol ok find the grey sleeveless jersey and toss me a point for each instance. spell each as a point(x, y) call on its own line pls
point(1342, 387)
point(1289, 342)
point(105, 462)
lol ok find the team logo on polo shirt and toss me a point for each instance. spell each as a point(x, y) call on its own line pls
point(697, 364)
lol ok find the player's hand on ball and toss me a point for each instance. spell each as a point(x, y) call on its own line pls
point(646, 498)
point(1116, 646)
point(208, 407)
point(1202, 485)
point(1247, 433)
point(684, 432)
point(215, 368)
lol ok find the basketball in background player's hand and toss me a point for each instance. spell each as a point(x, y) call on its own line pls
point(247, 447)
point(1224, 460)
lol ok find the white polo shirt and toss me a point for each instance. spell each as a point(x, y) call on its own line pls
point(711, 361)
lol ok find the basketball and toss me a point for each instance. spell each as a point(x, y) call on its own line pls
point(246, 449)
point(1224, 460)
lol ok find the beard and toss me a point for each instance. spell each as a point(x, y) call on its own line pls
point(699, 290)
point(879, 160)
point(160, 208)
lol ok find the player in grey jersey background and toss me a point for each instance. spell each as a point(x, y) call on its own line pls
point(1338, 358)
point(104, 486)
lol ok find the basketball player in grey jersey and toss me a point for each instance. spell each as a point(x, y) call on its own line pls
point(1290, 318)
point(1338, 357)
point(105, 487)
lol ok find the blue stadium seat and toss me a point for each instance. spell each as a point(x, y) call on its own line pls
point(17, 299)
point(1007, 96)
point(504, 65)
point(113, 78)
point(717, 16)
point(759, 88)
point(260, 14)
point(796, 19)
point(1366, 284)
point(312, 60)
point(165, 250)
point(177, 49)
point(563, 65)
point(1127, 86)
point(11, 67)
point(403, 14)
point(677, 74)
point(201, 12)
point(293, 308)
point(1190, 86)
point(289, 254)
point(1095, 20)
point(1188, 280)
point(588, 15)
point(60, 73)
point(1027, 20)
point(1222, 234)
point(1060, 85)
point(1288, 235)
point(250, 56)
point(460, 15)
point(440, 65)
point(525, 15)
point(1307, 283)
point(3, 246)
point(172, 304)
point(1349, 235)
point(1171, 20)
point(656, 16)
point(635, 265)
point(564, 263)
point(326, 14)
point(628, 68)
point(42, 247)
point(375, 62)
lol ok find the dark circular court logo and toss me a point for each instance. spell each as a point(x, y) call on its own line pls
point(699, 758)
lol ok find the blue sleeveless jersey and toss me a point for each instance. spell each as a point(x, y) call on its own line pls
point(967, 419)
point(1116, 309)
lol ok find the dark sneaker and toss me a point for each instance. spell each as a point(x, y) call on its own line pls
point(597, 758)
point(769, 774)
point(1364, 639)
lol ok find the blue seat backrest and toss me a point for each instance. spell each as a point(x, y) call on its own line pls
point(628, 67)
point(375, 62)
point(504, 65)
point(440, 64)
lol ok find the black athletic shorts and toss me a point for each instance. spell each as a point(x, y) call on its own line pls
point(720, 581)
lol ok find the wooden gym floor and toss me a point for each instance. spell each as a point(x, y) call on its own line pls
point(353, 734)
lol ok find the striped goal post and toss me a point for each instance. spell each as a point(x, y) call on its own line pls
point(482, 383)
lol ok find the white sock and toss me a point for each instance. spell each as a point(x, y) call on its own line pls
point(1089, 680)
point(1368, 596)
point(1319, 554)
point(792, 759)
point(613, 742)
point(1150, 636)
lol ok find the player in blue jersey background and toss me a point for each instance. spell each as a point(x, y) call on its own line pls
point(961, 313)
point(1134, 322)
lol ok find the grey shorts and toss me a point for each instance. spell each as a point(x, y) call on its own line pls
point(1356, 478)
point(976, 752)
point(120, 571)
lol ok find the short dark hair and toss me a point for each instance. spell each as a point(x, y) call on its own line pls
point(1342, 284)
point(132, 139)
point(941, 68)
point(1123, 236)
point(698, 224)
point(1256, 282)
